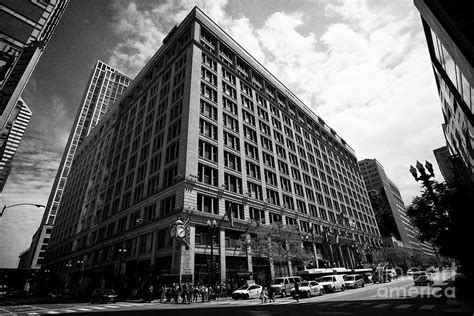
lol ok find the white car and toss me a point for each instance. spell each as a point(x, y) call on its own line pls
point(332, 283)
point(247, 291)
point(309, 288)
point(412, 271)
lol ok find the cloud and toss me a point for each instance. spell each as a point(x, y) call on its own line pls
point(367, 73)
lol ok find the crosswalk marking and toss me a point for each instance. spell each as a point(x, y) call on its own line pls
point(403, 306)
point(380, 306)
point(52, 312)
point(427, 307)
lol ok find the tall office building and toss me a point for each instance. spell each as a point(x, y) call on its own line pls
point(205, 128)
point(21, 118)
point(389, 207)
point(104, 86)
point(25, 29)
point(445, 166)
point(448, 27)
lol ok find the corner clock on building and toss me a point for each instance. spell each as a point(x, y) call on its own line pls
point(181, 231)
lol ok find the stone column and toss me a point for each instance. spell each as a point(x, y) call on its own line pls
point(222, 255)
point(339, 250)
point(315, 250)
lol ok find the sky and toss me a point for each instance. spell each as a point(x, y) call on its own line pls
point(363, 66)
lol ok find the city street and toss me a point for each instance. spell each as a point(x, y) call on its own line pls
point(391, 298)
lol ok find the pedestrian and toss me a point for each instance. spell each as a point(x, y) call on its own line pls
point(264, 295)
point(184, 289)
point(297, 291)
point(195, 293)
point(189, 293)
point(271, 294)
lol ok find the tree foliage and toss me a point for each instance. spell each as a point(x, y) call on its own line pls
point(281, 243)
point(443, 217)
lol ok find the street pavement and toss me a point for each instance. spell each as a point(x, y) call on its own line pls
point(394, 298)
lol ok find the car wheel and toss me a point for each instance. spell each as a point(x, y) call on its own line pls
point(363, 284)
point(246, 296)
point(308, 294)
point(321, 292)
point(342, 288)
point(283, 293)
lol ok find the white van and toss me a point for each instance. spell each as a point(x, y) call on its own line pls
point(332, 283)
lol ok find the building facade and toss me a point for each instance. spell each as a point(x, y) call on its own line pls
point(389, 207)
point(19, 122)
point(104, 86)
point(448, 31)
point(25, 29)
point(205, 129)
point(444, 164)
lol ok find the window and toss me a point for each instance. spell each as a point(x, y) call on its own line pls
point(236, 209)
point(167, 205)
point(209, 62)
point(251, 151)
point(262, 102)
point(208, 110)
point(231, 141)
point(229, 106)
point(252, 170)
point(207, 204)
point(231, 123)
point(296, 174)
point(288, 202)
point(172, 152)
point(255, 190)
point(298, 189)
point(268, 160)
point(281, 152)
point(208, 76)
point(207, 175)
point(257, 214)
point(208, 92)
point(266, 143)
point(246, 89)
point(273, 197)
point(293, 159)
point(264, 128)
point(208, 129)
point(274, 218)
point(233, 183)
point(262, 114)
point(270, 178)
point(227, 75)
point(229, 91)
point(232, 161)
point(276, 123)
point(155, 163)
point(285, 184)
point(283, 167)
point(248, 118)
point(250, 134)
point(247, 103)
point(207, 151)
point(174, 130)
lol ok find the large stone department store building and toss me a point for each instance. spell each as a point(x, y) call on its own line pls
point(204, 127)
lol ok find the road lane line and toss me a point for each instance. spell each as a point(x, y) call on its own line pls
point(68, 311)
point(111, 306)
point(381, 306)
point(52, 312)
point(403, 306)
point(427, 307)
point(97, 307)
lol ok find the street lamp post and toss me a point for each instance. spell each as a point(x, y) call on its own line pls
point(18, 204)
point(213, 229)
point(424, 177)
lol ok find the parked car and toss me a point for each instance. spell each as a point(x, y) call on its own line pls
point(411, 271)
point(308, 289)
point(3, 290)
point(104, 296)
point(332, 283)
point(393, 274)
point(354, 281)
point(282, 286)
point(247, 291)
point(422, 278)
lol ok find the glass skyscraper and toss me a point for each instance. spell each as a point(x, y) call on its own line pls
point(103, 88)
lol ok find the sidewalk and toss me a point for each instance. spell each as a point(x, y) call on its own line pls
point(454, 305)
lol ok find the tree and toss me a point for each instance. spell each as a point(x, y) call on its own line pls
point(442, 215)
point(281, 243)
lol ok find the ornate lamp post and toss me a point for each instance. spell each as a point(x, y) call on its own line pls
point(213, 229)
point(424, 177)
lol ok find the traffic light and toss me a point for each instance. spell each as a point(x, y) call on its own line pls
point(209, 267)
point(217, 267)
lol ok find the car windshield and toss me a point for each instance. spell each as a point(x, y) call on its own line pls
point(244, 287)
point(304, 283)
point(349, 278)
point(325, 279)
point(109, 291)
point(278, 281)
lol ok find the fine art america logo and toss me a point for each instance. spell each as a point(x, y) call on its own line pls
point(420, 291)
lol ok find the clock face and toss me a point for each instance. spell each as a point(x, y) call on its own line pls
point(181, 232)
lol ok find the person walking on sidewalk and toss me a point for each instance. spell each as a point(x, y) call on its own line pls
point(297, 291)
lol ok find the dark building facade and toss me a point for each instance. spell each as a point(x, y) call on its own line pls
point(449, 31)
point(205, 129)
